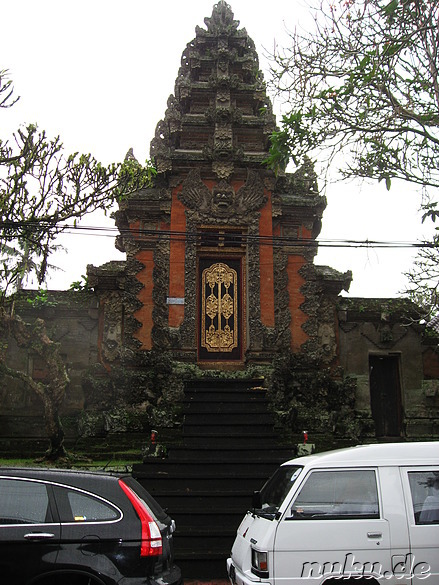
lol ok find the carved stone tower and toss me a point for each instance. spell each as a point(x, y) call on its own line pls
point(219, 251)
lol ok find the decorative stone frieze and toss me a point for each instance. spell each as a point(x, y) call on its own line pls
point(222, 201)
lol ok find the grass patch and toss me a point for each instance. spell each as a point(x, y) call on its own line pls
point(119, 465)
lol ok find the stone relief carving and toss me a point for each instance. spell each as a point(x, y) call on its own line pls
point(223, 170)
point(112, 331)
point(384, 336)
point(327, 340)
point(173, 115)
point(222, 201)
point(281, 299)
point(160, 150)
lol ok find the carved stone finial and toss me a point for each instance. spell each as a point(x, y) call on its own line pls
point(130, 155)
point(222, 19)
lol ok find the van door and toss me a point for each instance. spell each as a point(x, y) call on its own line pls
point(421, 486)
point(334, 526)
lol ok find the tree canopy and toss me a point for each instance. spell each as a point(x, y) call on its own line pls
point(364, 84)
point(361, 94)
point(43, 190)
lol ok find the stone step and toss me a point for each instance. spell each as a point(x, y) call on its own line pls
point(162, 482)
point(224, 394)
point(215, 468)
point(228, 449)
point(178, 500)
point(228, 418)
point(232, 453)
point(232, 429)
point(221, 407)
point(222, 441)
point(214, 518)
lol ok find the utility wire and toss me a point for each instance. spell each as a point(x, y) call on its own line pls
point(211, 238)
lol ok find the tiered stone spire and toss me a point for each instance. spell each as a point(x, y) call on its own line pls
point(219, 118)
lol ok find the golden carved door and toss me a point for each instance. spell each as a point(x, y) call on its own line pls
point(220, 310)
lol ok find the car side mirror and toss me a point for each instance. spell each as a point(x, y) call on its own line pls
point(256, 501)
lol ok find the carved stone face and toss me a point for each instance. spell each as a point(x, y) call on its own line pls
point(223, 196)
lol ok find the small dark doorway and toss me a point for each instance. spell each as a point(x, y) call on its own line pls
point(385, 395)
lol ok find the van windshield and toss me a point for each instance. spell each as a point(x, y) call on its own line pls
point(275, 490)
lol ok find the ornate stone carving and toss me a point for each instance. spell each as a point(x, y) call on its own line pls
point(223, 170)
point(112, 333)
point(281, 299)
point(222, 201)
point(160, 150)
point(173, 115)
point(302, 182)
point(221, 21)
point(221, 115)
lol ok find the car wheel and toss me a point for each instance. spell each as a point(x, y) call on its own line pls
point(70, 580)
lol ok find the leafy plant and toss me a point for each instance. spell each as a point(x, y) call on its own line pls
point(80, 285)
point(41, 299)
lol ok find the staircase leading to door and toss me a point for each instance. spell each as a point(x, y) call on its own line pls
point(228, 449)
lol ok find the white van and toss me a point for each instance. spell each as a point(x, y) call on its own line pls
point(366, 514)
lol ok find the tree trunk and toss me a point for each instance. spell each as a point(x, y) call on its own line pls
point(51, 393)
point(54, 430)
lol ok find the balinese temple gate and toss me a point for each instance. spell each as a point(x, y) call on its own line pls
point(220, 279)
point(221, 249)
point(218, 336)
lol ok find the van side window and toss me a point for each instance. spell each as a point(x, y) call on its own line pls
point(337, 495)
point(424, 487)
point(23, 502)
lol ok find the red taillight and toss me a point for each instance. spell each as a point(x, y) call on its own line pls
point(151, 536)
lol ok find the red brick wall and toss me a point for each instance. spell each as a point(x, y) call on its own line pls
point(177, 276)
point(176, 261)
point(144, 315)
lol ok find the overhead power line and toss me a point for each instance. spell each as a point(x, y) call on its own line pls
point(233, 238)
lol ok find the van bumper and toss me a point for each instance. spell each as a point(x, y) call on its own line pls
point(236, 577)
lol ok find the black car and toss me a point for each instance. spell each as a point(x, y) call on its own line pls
point(63, 527)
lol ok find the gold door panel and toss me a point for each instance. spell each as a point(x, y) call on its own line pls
point(219, 310)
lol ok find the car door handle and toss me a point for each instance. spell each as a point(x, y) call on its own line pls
point(38, 535)
point(374, 535)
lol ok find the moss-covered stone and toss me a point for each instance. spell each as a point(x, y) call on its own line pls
point(306, 396)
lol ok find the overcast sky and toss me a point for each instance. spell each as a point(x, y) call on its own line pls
point(99, 72)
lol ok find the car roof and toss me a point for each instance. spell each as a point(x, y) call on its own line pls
point(59, 473)
point(409, 453)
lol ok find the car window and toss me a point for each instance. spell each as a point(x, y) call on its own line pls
point(275, 490)
point(23, 502)
point(424, 488)
point(86, 508)
point(336, 495)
